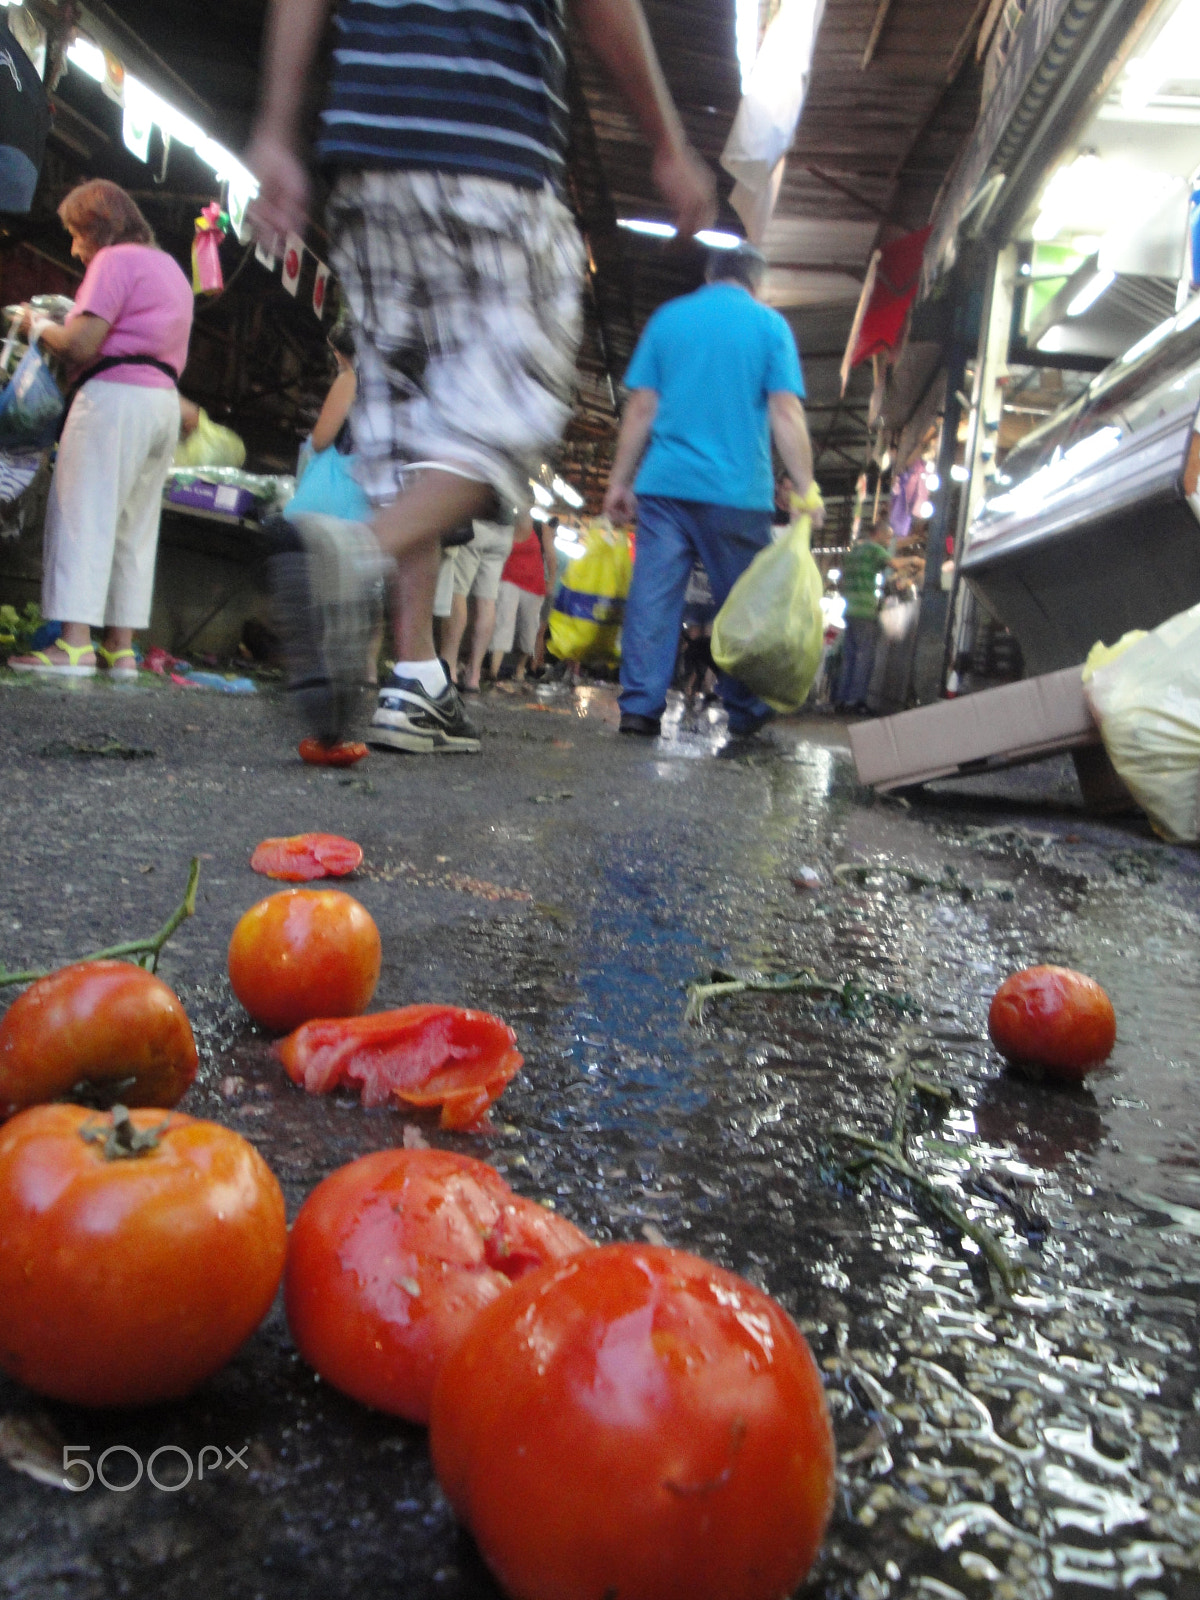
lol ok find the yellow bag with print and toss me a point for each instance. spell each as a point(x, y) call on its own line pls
point(770, 630)
point(589, 606)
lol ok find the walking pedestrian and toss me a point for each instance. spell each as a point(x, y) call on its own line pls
point(714, 378)
point(459, 259)
point(864, 562)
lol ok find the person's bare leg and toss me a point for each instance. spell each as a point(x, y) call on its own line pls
point(452, 633)
point(483, 626)
point(412, 591)
point(436, 503)
point(519, 668)
point(116, 639)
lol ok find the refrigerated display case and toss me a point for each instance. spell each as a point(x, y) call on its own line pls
point(1092, 523)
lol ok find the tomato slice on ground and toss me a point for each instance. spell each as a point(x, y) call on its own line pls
point(424, 1055)
point(332, 755)
point(306, 856)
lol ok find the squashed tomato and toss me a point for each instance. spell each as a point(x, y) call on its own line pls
point(104, 1030)
point(305, 856)
point(636, 1422)
point(1053, 1018)
point(304, 953)
point(331, 755)
point(425, 1055)
point(391, 1257)
point(138, 1251)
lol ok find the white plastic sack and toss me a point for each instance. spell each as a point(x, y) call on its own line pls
point(1145, 694)
point(765, 123)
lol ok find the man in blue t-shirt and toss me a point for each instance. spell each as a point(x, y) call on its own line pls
point(714, 377)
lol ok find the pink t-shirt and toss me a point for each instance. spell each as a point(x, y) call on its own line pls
point(143, 293)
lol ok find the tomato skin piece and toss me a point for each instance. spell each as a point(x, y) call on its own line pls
point(1053, 1018)
point(99, 1023)
point(305, 856)
point(391, 1257)
point(424, 1055)
point(332, 755)
point(636, 1422)
point(128, 1282)
point(304, 953)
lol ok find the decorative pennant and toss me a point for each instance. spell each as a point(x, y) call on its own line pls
point(264, 257)
point(320, 285)
point(211, 227)
point(293, 255)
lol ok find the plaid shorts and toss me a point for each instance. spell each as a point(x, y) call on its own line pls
point(465, 294)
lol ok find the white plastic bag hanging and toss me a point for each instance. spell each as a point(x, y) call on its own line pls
point(765, 123)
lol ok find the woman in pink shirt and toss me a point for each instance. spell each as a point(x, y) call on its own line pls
point(126, 340)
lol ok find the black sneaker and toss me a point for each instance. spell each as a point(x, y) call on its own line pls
point(641, 727)
point(408, 717)
point(325, 584)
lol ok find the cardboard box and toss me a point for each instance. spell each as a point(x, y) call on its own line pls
point(200, 495)
point(979, 732)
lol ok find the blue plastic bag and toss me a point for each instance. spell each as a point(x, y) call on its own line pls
point(327, 485)
point(31, 404)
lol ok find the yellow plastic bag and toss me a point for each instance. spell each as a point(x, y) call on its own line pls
point(770, 631)
point(210, 445)
point(1146, 698)
point(585, 624)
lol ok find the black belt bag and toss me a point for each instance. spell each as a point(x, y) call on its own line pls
point(105, 364)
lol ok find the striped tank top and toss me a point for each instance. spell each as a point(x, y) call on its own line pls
point(464, 86)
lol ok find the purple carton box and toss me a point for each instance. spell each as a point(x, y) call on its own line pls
point(198, 493)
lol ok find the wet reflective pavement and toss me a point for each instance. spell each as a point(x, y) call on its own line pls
point(993, 1447)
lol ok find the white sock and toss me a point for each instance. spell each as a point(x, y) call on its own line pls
point(428, 674)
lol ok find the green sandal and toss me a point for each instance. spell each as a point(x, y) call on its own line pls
point(72, 667)
point(117, 663)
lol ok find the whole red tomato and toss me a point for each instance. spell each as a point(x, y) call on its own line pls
point(391, 1257)
point(636, 1422)
point(304, 953)
point(425, 1055)
point(1053, 1018)
point(102, 1028)
point(137, 1252)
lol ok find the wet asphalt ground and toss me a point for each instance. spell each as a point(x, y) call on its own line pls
point(994, 1446)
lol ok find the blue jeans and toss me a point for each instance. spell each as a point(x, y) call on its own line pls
point(858, 660)
point(672, 535)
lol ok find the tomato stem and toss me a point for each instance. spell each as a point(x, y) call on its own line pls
point(143, 952)
point(891, 1155)
point(123, 1141)
point(849, 994)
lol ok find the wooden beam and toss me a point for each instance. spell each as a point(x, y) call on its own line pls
point(881, 12)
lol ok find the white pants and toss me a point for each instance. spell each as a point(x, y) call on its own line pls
point(518, 617)
point(105, 504)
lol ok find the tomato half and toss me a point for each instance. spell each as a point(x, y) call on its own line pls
point(129, 1275)
point(332, 755)
point(390, 1259)
point(305, 856)
point(101, 1029)
point(1053, 1018)
point(636, 1422)
point(425, 1055)
point(304, 953)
